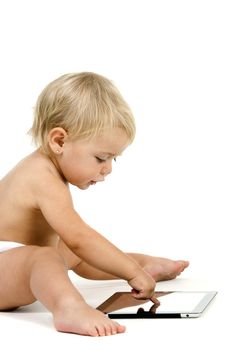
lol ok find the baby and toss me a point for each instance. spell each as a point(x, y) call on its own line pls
point(81, 125)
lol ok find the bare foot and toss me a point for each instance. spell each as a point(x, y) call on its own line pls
point(80, 318)
point(162, 269)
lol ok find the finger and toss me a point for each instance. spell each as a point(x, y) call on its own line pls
point(135, 293)
point(155, 300)
point(138, 295)
point(154, 308)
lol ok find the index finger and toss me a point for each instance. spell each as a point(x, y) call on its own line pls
point(155, 300)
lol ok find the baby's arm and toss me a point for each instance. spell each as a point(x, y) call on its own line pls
point(55, 202)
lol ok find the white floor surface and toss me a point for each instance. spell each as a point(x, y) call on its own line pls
point(31, 327)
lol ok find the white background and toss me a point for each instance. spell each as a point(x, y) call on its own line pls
point(171, 193)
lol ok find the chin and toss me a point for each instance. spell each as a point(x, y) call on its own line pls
point(83, 187)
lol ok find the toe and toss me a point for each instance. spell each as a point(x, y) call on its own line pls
point(121, 329)
point(109, 330)
point(182, 264)
point(94, 332)
point(101, 331)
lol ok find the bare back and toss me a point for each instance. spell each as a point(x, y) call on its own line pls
point(21, 219)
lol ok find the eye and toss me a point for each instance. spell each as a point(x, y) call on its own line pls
point(100, 160)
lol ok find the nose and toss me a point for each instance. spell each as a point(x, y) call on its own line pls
point(107, 168)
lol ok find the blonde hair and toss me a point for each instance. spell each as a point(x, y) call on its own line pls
point(83, 104)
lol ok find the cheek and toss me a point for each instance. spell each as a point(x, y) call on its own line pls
point(78, 168)
point(84, 170)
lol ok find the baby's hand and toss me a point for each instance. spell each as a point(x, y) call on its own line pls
point(143, 286)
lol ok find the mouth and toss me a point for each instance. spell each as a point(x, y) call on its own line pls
point(93, 182)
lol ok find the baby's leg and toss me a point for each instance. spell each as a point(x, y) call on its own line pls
point(160, 269)
point(30, 273)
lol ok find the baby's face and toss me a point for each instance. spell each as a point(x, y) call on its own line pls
point(84, 163)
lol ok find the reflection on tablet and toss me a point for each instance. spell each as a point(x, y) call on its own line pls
point(173, 304)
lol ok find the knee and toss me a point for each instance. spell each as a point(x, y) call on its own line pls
point(45, 254)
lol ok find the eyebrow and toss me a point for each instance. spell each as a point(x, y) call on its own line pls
point(111, 154)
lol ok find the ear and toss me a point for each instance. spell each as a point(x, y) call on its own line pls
point(56, 140)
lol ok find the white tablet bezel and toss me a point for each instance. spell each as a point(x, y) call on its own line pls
point(115, 305)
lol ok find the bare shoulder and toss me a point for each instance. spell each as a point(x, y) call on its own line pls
point(40, 166)
point(31, 167)
point(45, 179)
point(33, 177)
point(54, 200)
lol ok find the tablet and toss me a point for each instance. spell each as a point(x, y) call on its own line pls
point(173, 304)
